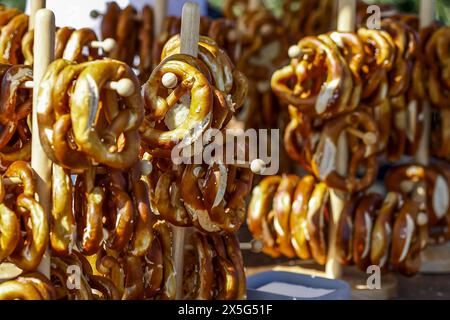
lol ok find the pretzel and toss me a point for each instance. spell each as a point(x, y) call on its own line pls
point(169, 285)
point(345, 231)
point(282, 203)
point(382, 231)
point(298, 217)
point(171, 26)
point(364, 220)
point(193, 200)
point(15, 105)
point(110, 267)
point(200, 109)
point(143, 235)
point(110, 20)
point(88, 202)
point(7, 14)
point(224, 195)
point(9, 230)
point(30, 286)
point(374, 71)
point(326, 151)
point(105, 286)
point(231, 242)
point(10, 39)
point(222, 31)
point(126, 36)
point(317, 209)
point(63, 222)
point(407, 239)
point(121, 121)
point(77, 41)
point(324, 99)
point(203, 270)
point(439, 79)
point(258, 212)
point(153, 270)
point(40, 283)
point(62, 37)
point(226, 282)
point(405, 180)
point(27, 47)
point(168, 200)
point(146, 44)
point(134, 288)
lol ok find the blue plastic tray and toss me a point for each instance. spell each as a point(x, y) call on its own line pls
point(341, 288)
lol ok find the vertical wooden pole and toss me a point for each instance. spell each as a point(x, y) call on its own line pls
point(160, 10)
point(345, 23)
point(427, 17)
point(44, 47)
point(190, 28)
point(35, 5)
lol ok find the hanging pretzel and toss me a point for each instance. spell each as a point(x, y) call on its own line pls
point(364, 220)
point(77, 41)
point(298, 217)
point(110, 20)
point(382, 231)
point(324, 160)
point(146, 44)
point(11, 39)
point(258, 212)
point(200, 109)
point(63, 222)
point(124, 119)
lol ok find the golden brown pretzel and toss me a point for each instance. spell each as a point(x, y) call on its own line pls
point(232, 246)
point(143, 235)
point(103, 285)
point(11, 39)
point(298, 217)
point(77, 41)
point(134, 286)
point(110, 20)
point(146, 44)
point(382, 231)
point(29, 253)
point(317, 209)
point(17, 290)
point(27, 47)
point(153, 271)
point(282, 203)
point(364, 220)
point(169, 285)
point(63, 222)
point(258, 212)
point(226, 282)
point(223, 32)
point(124, 119)
point(327, 147)
point(61, 38)
point(326, 98)
point(200, 109)
point(345, 231)
point(202, 269)
point(88, 202)
point(409, 238)
point(126, 36)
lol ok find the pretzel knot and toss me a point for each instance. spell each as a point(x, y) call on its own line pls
point(159, 101)
point(324, 159)
point(94, 124)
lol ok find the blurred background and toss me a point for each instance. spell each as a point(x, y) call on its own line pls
point(275, 5)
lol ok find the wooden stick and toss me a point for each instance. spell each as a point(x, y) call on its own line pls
point(35, 5)
point(346, 23)
point(44, 47)
point(427, 17)
point(160, 10)
point(190, 28)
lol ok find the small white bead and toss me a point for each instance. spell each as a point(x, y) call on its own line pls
point(422, 219)
point(109, 44)
point(257, 166)
point(169, 80)
point(294, 52)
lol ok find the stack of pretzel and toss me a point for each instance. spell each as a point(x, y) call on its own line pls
point(16, 41)
point(290, 216)
point(209, 196)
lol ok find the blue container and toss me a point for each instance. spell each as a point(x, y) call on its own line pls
point(341, 289)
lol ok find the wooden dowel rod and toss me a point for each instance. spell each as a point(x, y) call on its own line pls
point(190, 28)
point(43, 55)
point(160, 10)
point(35, 5)
point(346, 22)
